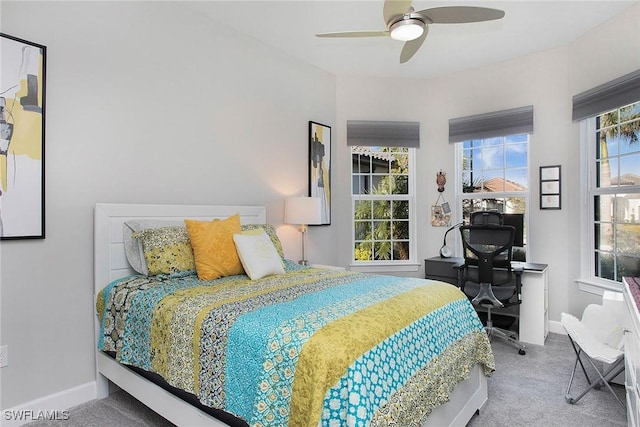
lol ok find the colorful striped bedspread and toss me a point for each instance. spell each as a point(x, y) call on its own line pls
point(309, 347)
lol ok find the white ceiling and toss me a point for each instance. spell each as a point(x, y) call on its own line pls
point(528, 26)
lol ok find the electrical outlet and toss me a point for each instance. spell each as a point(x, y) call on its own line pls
point(4, 356)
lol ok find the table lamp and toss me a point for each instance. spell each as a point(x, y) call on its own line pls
point(302, 211)
point(445, 251)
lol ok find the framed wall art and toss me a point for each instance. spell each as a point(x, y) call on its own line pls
point(320, 167)
point(550, 196)
point(22, 129)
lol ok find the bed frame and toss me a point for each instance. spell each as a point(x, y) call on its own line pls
point(110, 263)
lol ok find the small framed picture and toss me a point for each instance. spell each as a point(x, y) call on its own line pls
point(550, 195)
point(438, 217)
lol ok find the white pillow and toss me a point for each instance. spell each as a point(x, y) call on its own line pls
point(133, 247)
point(258, 255)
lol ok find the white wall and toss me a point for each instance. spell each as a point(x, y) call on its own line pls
point(547, 80)
point(146, 103)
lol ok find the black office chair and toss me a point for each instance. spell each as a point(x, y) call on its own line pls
point(487, 276)
point(486, 217)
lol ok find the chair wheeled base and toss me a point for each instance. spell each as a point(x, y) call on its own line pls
point(509, 336)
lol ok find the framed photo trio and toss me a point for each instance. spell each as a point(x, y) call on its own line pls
point(22, 129)
point(550, 196)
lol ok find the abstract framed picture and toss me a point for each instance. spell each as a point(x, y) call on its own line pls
point(22, 129)
point(320, 167)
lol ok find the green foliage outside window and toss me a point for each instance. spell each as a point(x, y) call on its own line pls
point(616, 195)
point(381, 205)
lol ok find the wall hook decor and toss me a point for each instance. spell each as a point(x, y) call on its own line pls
point(441, 180)
point(440, 210)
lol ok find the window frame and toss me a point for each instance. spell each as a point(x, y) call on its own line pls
point(588, 281)
point(460, 195)
point(388, 265)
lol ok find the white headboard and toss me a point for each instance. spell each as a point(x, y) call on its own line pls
point(110, 261)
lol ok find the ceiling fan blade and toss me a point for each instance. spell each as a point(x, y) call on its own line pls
point(460, 14)
point(394, 8)
point(356, 34)
point(411, 47)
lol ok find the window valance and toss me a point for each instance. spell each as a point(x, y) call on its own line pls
point(383, 133)
point(488, 125)
point(607, 96)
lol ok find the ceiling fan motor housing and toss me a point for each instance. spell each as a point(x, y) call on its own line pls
point(406, 29)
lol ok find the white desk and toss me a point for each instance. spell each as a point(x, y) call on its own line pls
point(534, 312)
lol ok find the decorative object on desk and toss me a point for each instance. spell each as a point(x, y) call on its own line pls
point(550, 187)
point(22, 113)
point(445, 251)
point(302, 211)
point(320, 168)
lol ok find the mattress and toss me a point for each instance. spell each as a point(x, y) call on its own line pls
point(305, 348)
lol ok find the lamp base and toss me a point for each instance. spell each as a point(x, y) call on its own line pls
point(303, 262)
point(445, 252)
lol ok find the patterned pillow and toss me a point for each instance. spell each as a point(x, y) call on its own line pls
point(213, 248)
point(258, 254)
point(166, 250)
point(271, 232)
point(133, 247)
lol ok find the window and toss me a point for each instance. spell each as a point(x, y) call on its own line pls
point(383, 204)
point(613, 140)
point(495, 176)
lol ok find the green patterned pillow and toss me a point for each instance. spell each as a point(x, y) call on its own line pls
point(271, 232)
point(166, 250)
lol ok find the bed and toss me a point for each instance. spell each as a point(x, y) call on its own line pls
point(288, 360)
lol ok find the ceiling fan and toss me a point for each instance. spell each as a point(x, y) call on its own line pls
point(405, 24)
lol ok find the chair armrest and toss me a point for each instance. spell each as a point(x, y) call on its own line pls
point(517, 271)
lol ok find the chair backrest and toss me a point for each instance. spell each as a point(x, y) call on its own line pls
point(486, 217)
point(489, 248)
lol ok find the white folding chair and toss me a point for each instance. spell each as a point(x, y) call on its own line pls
point(598, 336)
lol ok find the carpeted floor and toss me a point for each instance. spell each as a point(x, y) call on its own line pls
point(524, 390)
point(529, 390)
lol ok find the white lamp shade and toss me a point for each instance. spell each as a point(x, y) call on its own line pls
point(302, 210)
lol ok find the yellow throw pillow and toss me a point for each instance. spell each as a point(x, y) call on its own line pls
point(213, 248)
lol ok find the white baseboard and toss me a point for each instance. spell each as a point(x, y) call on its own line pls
point(53, 405)
point(556, 327)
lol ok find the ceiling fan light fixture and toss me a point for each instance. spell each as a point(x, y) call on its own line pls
point(406, 29)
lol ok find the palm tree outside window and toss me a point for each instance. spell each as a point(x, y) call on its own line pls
point(615, 193)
